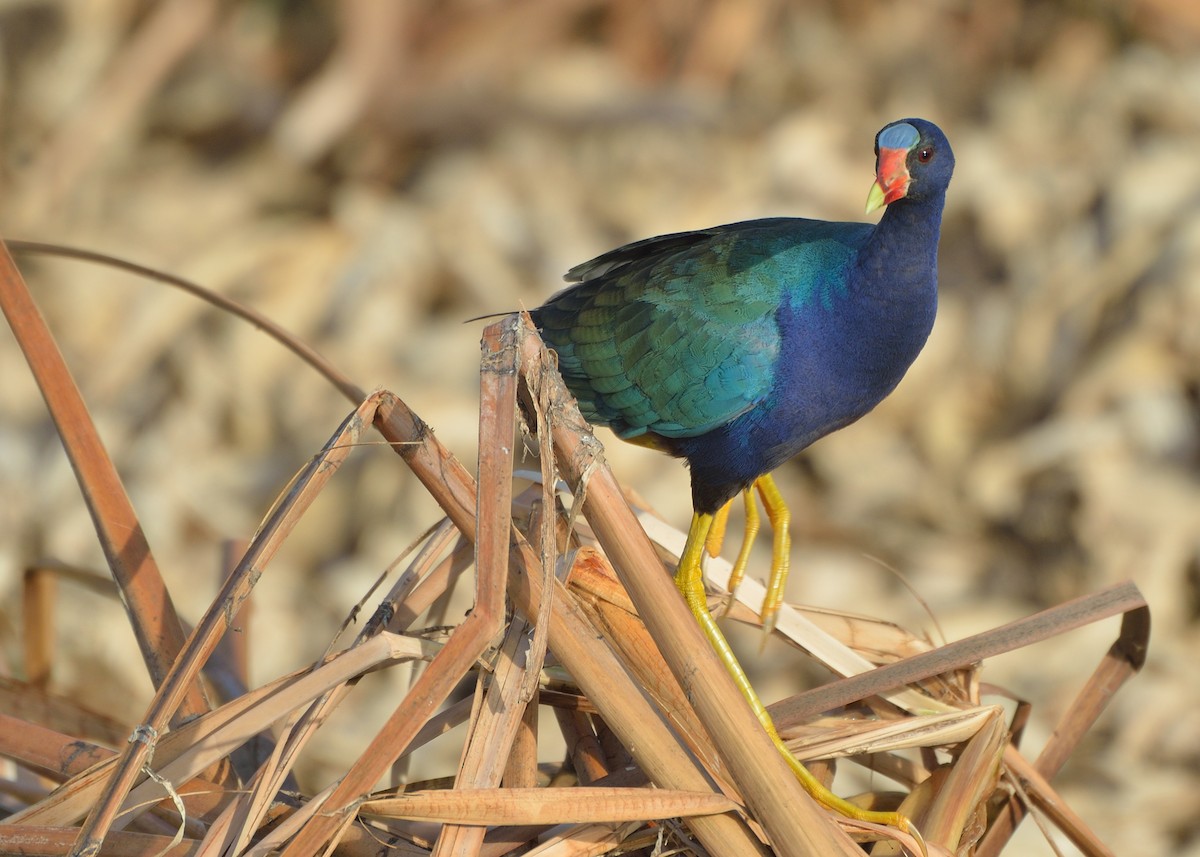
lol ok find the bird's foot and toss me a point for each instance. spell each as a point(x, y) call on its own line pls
point(829, 800)
point(689, 579)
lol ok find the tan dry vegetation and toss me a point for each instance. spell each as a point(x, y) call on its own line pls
point(369, 175)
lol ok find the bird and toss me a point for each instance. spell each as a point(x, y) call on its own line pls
point(738, 346)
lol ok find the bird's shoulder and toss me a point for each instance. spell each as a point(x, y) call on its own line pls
point(755, 259)
point(735, 246)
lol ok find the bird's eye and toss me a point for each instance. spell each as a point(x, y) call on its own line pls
point(924, 155)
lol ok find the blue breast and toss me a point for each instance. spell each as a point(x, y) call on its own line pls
point(839, 358)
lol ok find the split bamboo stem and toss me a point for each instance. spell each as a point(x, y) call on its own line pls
point(492, 735)
point(574, 640)
point(493, 518)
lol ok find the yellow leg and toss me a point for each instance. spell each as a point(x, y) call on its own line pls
point(716, 533)
point(716, 536)
point(781, 548)
point(750, 534)
point(689, 579)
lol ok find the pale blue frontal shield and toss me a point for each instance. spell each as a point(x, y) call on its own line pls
point(899, 136)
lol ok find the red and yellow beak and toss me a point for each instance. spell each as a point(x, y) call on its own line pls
point(891, 179)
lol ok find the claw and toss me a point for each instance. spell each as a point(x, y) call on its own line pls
point(689, 579)
point(911, 829)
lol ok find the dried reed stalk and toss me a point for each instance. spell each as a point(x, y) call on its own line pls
point(599, 673)
point(547, 806)
point(151, 612)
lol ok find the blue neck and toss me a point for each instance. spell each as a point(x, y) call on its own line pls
point(902, 251)
point(889, 307)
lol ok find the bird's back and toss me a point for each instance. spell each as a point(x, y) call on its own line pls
point(675, 336)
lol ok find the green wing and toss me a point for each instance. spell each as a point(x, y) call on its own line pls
point(678, 335)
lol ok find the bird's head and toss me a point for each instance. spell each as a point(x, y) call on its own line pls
point(913, 161)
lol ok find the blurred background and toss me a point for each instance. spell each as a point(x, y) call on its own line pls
point(370, 174)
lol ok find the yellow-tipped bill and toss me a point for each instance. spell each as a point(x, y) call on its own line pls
point(891, 179)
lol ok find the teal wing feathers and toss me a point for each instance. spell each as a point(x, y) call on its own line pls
point(678, 335)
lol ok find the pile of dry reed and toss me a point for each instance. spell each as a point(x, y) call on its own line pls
point(574, 627)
